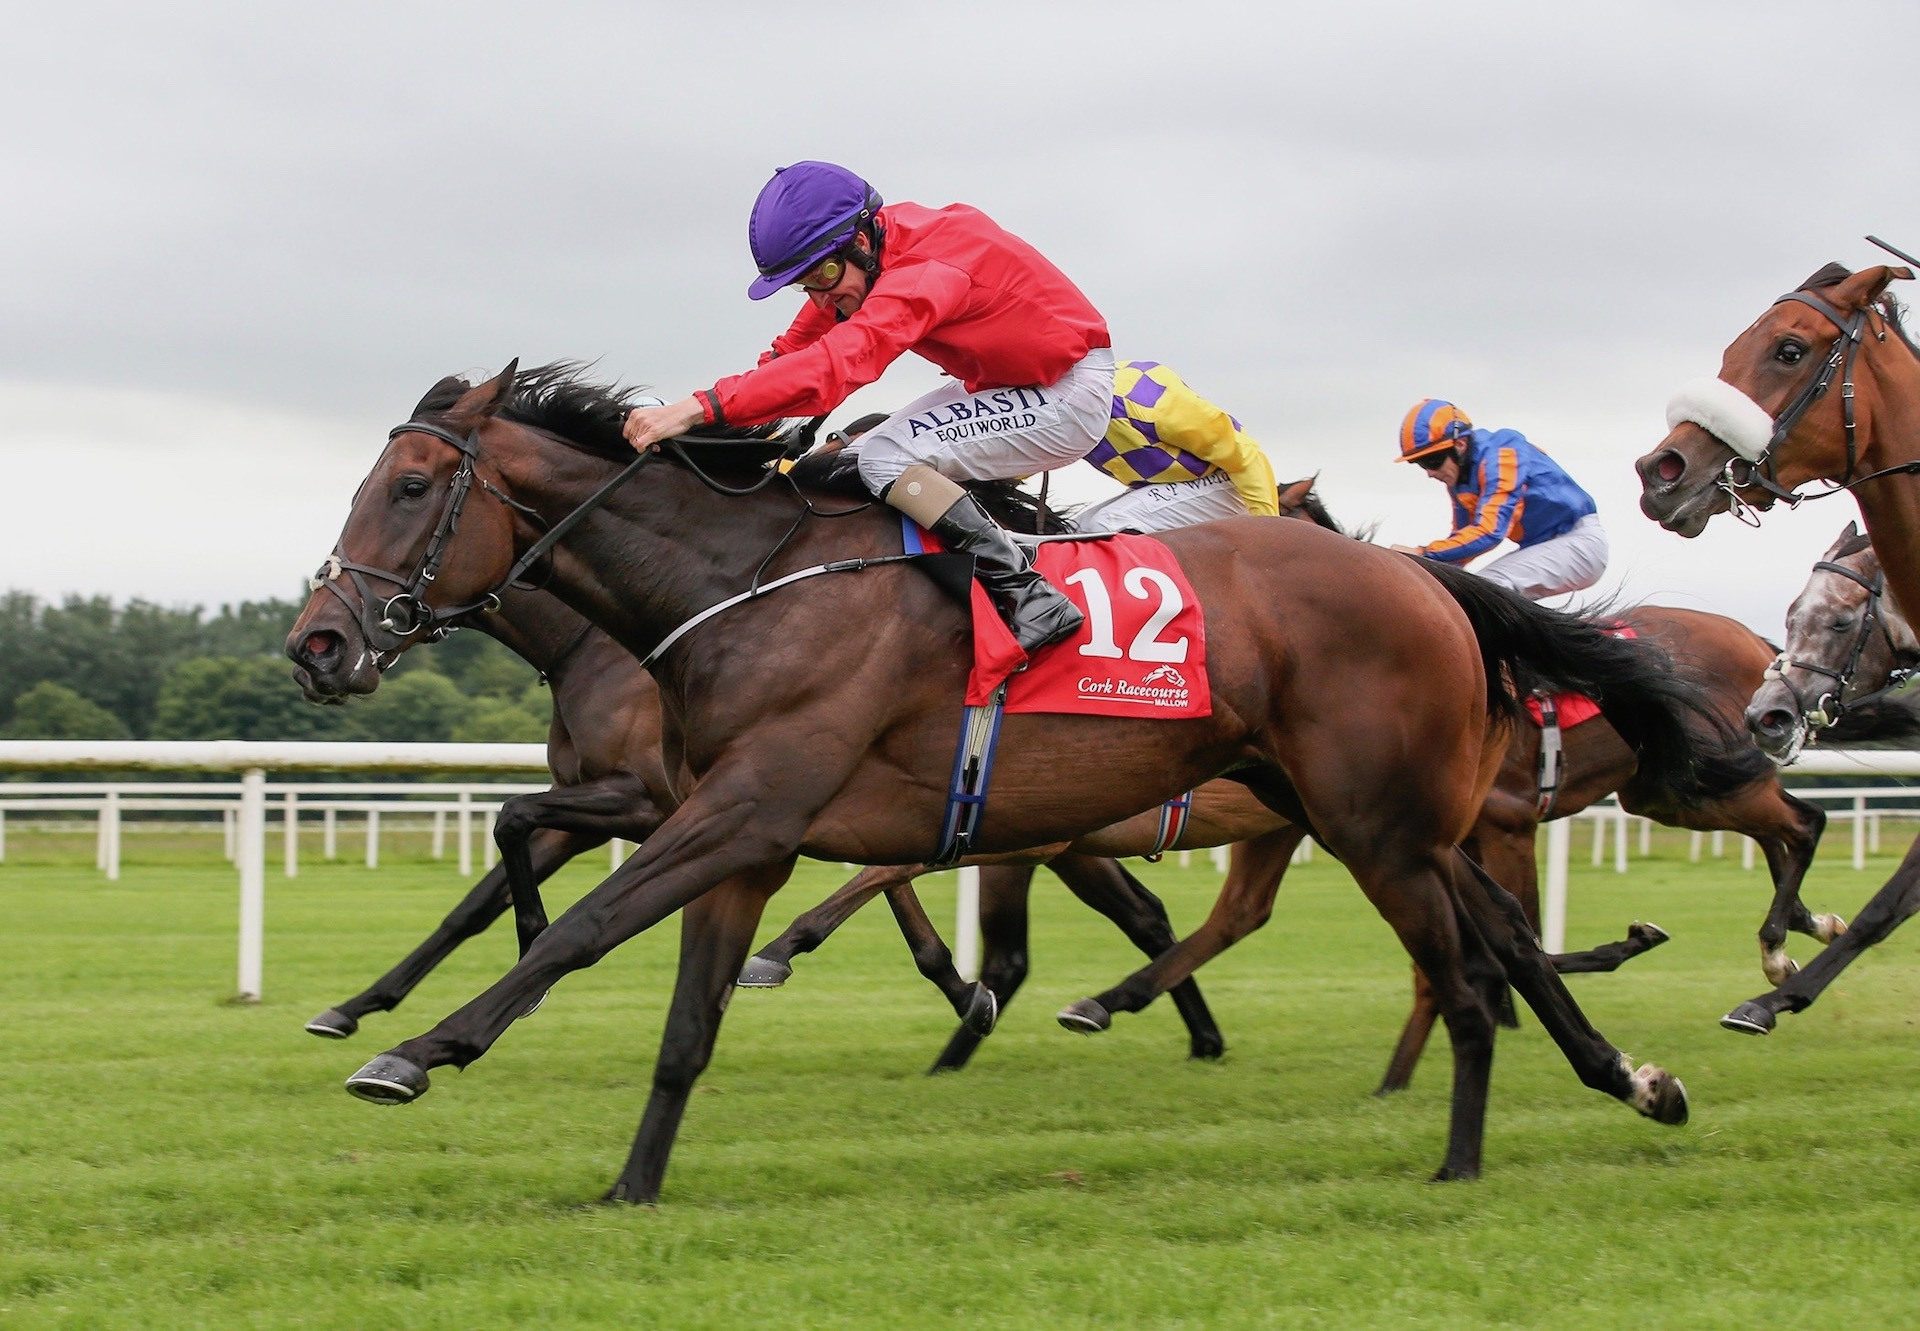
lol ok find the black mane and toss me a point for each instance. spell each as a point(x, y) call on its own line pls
point(559, 400)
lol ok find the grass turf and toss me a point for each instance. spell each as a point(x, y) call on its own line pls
point(170, 1160)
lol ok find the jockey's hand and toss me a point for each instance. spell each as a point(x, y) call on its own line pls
point(1404, 550)
point(646, 426)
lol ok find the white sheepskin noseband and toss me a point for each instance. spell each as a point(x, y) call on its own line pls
point(1726, 413)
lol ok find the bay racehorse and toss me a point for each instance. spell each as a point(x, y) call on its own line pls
point(1823, 386)
point(818, 718)
point(603, 752)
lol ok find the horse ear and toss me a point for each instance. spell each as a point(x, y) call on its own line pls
point(482, 401)
point(1865, 286)
point(1295, 493)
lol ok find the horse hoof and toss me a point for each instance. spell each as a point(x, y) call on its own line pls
point(620, 1195)
point(1086, 1017)
point(1208, 1047)
point(983, 1010)
point(1659, 1095)
point(763, 973)
point(1648, 933)
point(1828, 927)
point(1455, 1174)
point(333, 1024)
point(389, 1080)
point(1750, 1018)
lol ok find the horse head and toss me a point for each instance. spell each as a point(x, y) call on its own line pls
point(430, 537)
point(1768, 424)
point(1845, 642)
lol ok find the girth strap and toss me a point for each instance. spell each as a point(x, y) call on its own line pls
point(1173, 823)
point(1551, 756)
point(972, 777)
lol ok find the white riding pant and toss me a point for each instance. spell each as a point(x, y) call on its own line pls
point(996, 434)
point(1159, 507)
point(1570, 562)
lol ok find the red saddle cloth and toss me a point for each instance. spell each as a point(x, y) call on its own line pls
point(1574, 708)
point(1141, 653)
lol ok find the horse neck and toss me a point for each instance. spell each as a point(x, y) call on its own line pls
point(665, 547)
point(538, 628)
point(1890, 508)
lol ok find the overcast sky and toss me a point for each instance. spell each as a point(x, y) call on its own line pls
point(240, 240)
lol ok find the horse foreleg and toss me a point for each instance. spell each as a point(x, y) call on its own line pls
point(1890, 906)
point(616, 805)
point(772, 965)
point(1788, 830)
point(715, 932)
point(474, 915)
point(1244, 904)
point(1003, 952)
point(972, 1001)
point(1106, 886)
point(727, 827)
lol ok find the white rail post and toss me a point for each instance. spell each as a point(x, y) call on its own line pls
point(1746, 852)
point(229, 821)
point(252, 854)
point(1220, 856)
point(1620, 841)
point(290, 833)
point(1646, 837)
point(100, 839)
point(466, 834)
point(1693, 847)
point(1599, 839)
point(1859, 831)
point(1719, 844)
point(1553, 909)
point(966, 924)
point(373, 838)
point(110, 826)
point(489, 848)
point(439, 834)
point(1873, 833)
point(330, 835)
point(3, 836)
point(1186, 859)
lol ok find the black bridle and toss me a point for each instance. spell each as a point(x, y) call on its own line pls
point(406, 615)
point(1832, 704)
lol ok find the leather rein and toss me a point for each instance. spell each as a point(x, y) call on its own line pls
point(1831, 705)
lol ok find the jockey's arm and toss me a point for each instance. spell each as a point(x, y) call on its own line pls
point(1189, 421)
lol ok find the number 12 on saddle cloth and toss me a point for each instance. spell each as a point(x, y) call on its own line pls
point(1141, 653)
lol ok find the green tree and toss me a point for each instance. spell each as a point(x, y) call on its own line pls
point(225, 697)
point(497, 721)
point(421, 707)
point(54, 711)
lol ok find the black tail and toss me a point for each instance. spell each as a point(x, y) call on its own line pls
point(1660, 709)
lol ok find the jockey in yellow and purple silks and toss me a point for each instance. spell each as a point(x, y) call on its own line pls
point(1182, 459)
point(1505, 489)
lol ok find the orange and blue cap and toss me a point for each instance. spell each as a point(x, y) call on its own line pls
point(1432, 425)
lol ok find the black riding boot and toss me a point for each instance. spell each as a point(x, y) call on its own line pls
point(1036, 611)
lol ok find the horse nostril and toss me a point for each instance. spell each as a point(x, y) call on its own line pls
point(1773, 721)
point(1669, 467)
point(320, 645)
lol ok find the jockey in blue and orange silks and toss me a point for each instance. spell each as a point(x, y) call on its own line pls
point(1504, 488)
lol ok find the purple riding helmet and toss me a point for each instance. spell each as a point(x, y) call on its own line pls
point(806, 212)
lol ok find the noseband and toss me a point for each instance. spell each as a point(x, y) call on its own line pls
point(406, 614)
point(1831, 705)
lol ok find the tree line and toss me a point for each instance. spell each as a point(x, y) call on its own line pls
point(88, 668)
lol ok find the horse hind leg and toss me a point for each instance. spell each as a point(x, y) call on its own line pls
point(772, 965)
point(1003, 954)
point(1651, 1089)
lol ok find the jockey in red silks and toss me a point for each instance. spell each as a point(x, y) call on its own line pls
point(1033, 375)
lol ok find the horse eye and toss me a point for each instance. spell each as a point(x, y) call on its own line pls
point(413, 487)
point(1842, 625)
point(1790, 352)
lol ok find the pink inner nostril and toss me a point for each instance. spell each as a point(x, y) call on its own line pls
point(317, 644)
point(1669, 467)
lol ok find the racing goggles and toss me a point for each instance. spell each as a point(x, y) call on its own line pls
point(823, 276)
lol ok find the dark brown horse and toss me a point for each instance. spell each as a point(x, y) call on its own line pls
point(819, 719)
point(603, 750)
point(1824, 385)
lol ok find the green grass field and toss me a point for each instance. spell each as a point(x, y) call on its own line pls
point(169, 1160)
